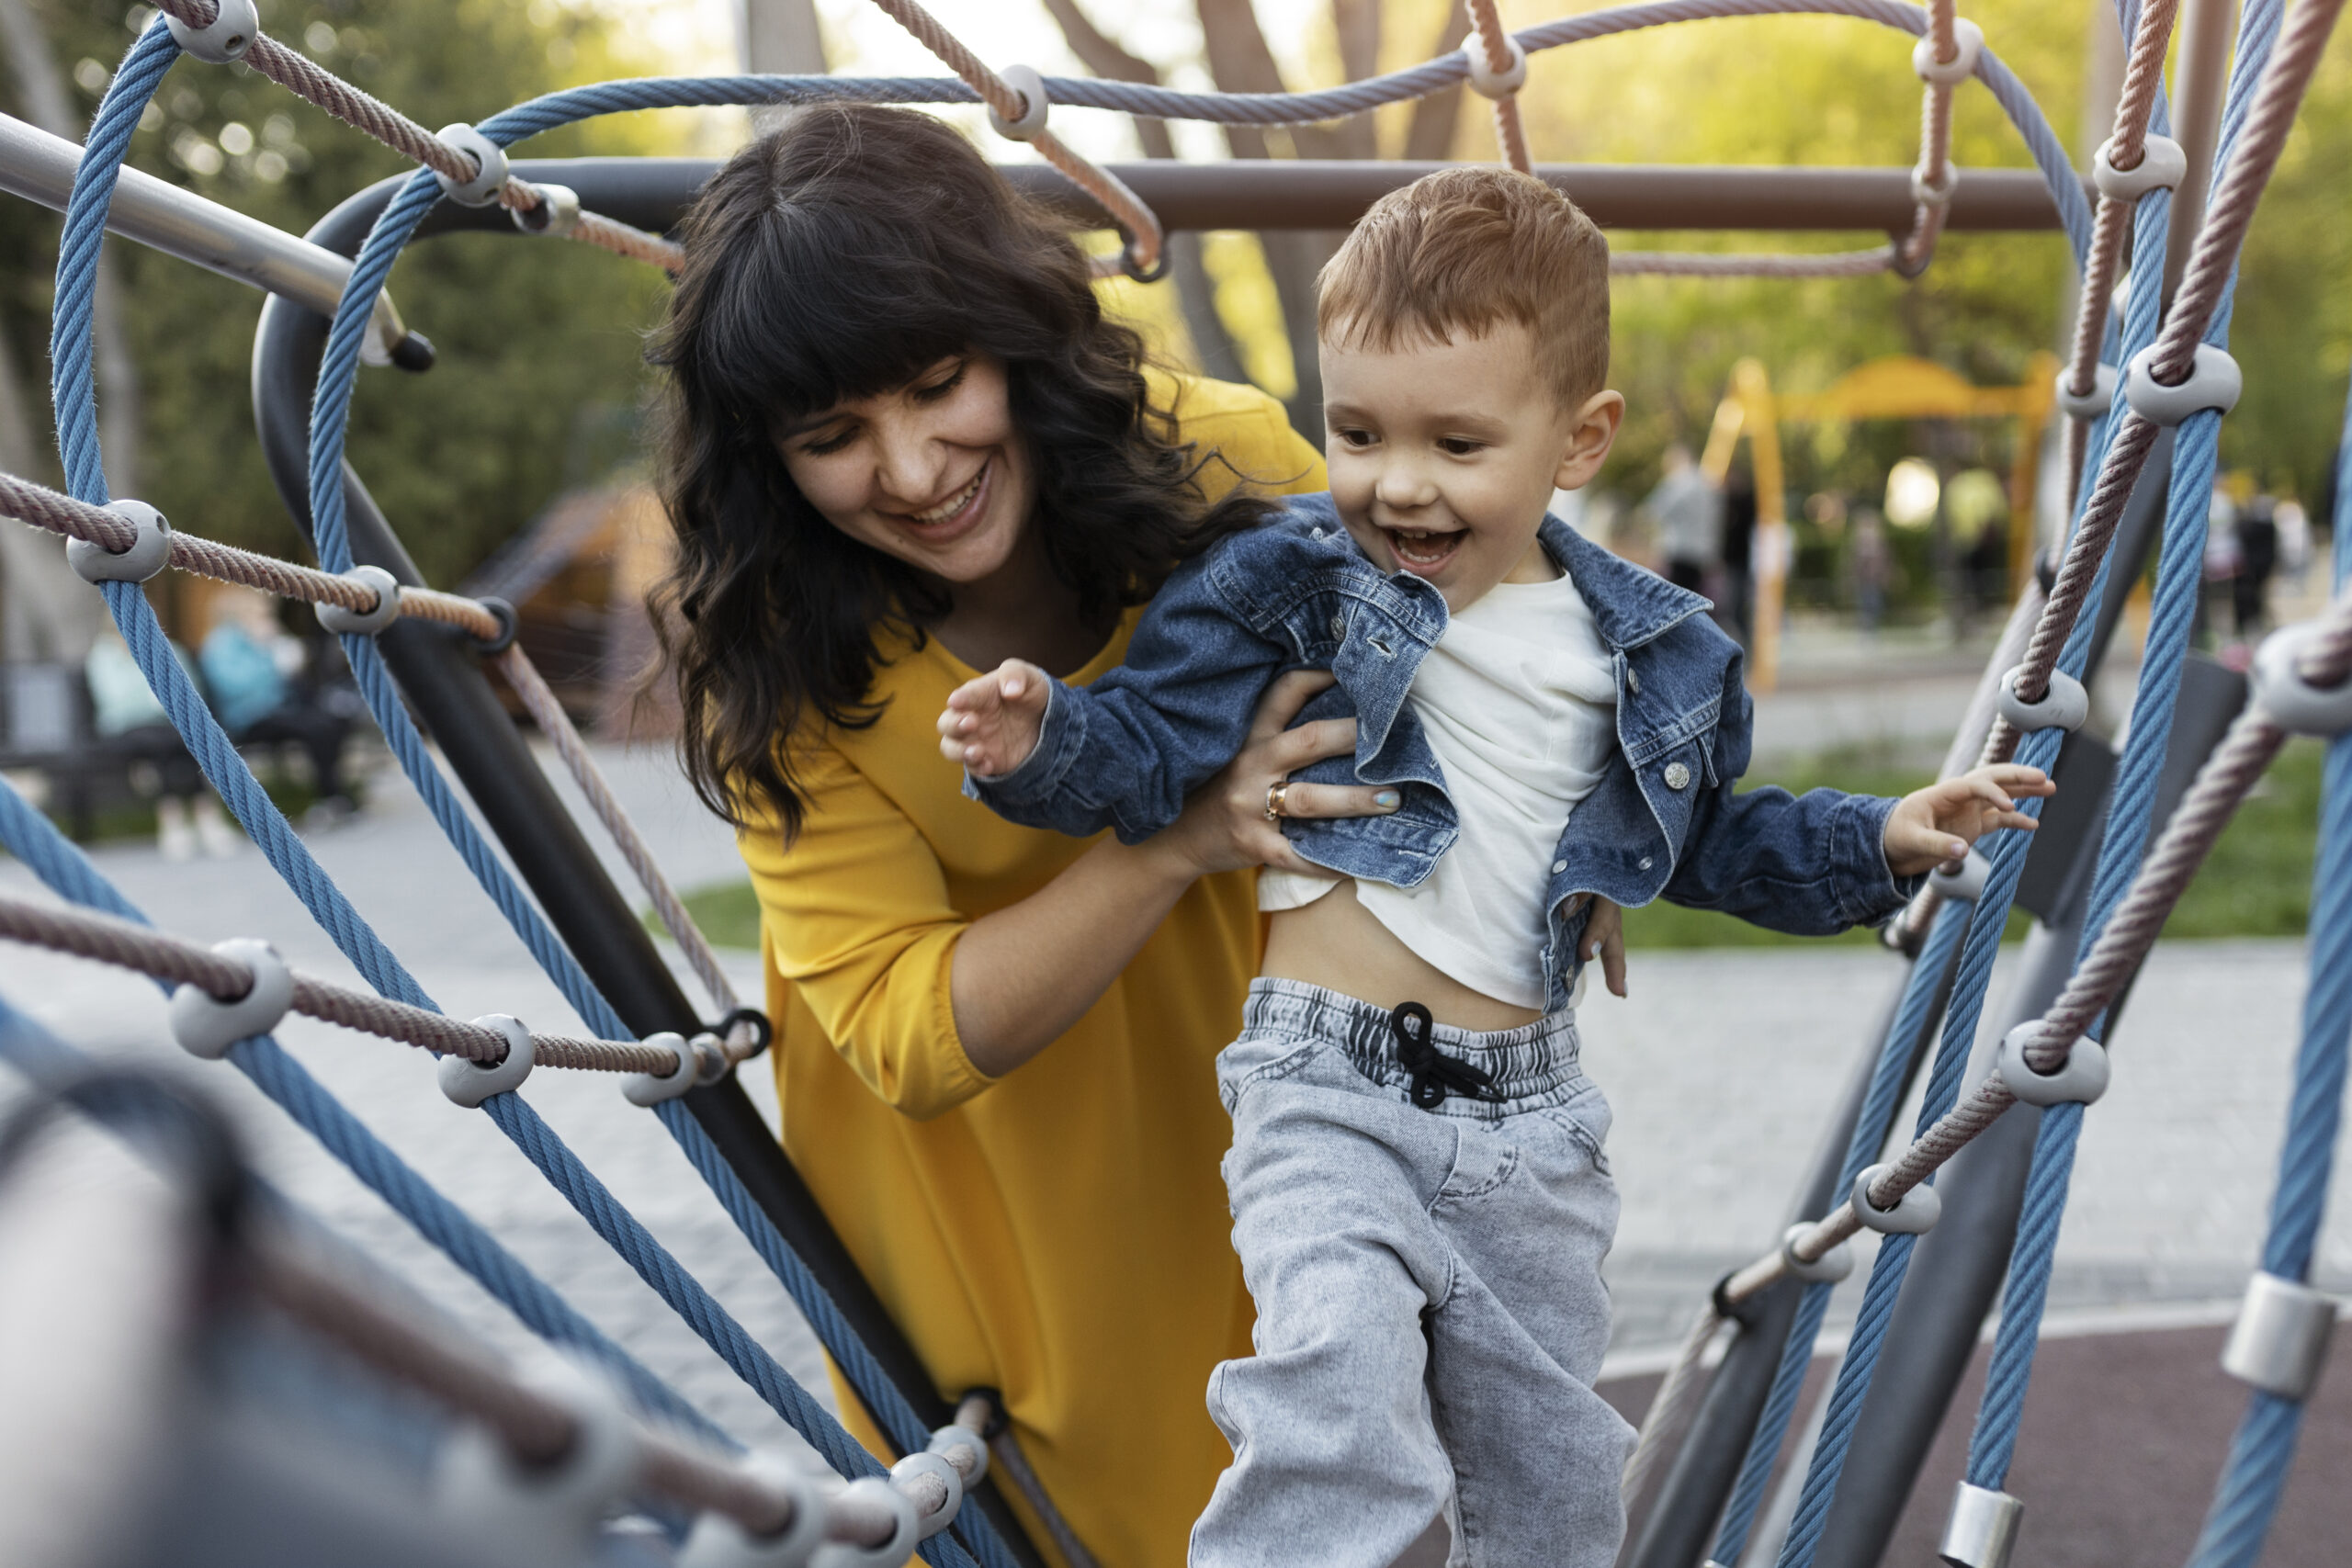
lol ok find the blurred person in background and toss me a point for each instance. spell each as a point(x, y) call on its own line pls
point(2258, 531)
point(1872, 566)
point(2294, 542)
point(253, 673)
point(1689, 512)
point(2221, 554)
point(132, 725)
point(1738, 553)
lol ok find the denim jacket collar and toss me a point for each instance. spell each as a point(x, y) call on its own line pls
point(1630, 606)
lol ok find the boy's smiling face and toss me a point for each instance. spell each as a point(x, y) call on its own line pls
point(1443, 455)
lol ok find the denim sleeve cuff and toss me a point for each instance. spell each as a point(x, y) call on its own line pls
point(1868, 893)
point(1035, 779)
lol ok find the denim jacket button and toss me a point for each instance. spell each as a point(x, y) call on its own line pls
point(1677, 775)
point(1558, 866)
point(1340, 626)
point(1633, 680)
point(1646, 863)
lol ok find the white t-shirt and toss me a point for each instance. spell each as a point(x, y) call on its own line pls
point(1519, 699)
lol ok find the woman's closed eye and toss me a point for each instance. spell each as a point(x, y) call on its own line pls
point(934, 391)
point(826, 443)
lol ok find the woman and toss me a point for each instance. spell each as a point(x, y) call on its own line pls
point(906, 445)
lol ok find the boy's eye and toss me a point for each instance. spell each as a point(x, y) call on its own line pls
point(1355, 437)
point(1459, 447)
point(934, 391)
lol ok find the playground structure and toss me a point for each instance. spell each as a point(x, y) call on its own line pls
point(2143, 390)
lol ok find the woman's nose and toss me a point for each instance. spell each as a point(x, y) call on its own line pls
point(906, 464)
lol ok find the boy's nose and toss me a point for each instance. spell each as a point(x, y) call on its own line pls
point(1405, 486)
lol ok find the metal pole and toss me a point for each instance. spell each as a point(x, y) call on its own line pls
point(440, 676)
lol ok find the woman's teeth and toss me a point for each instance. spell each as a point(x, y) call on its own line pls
point(953, 503)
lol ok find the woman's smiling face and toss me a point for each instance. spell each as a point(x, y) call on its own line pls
point(933, 473)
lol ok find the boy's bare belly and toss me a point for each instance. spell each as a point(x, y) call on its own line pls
point(1335, 942)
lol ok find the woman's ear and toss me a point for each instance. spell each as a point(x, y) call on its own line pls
point(1592, 431)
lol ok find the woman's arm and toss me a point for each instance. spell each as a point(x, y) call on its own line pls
point(1024, 974)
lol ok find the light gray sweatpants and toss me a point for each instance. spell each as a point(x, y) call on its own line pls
point(1431, 1314)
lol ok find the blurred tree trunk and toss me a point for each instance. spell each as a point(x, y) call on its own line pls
point(1429, 136)
point(780, 38)
point(40, 88)
point(1195, 294)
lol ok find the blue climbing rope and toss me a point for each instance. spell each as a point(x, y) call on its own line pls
point(2263, 1452)
point(73, 388)
point(1913, 1017)
point(2179, 570)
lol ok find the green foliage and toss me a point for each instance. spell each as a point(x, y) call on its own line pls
point(538, 340)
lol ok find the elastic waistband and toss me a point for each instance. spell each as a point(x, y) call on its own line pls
point(1529, 1065)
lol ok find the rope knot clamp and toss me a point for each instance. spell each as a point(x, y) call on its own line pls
point(2162, 166)
point(205, 1026)
point(1027, 80)
point(905, 1533)
point(1982, 1528)
point(2080, 1082)
point(1152, 274)
point(718, 1542)
point(1490, 83)
point(1927, 193)
point(2287, 696)
point(1742, 1313)
point(2214, 382)
point(234, 25)
point(509, 623)
point(489, 166)
point(1965, 883)
point(1970, 40)
point(905, 1471)
point(752, 1019)
point(469, 1083)
point(2088, 405)
point(1827, 1270)
point(2279, 1341)
point(653, 1088)
point(711, 1062)
point(555, 216)
point(150, 553)
point(2064, 707)
point(522, 1508)
point(365, 622)
point(1914, 1214)
point(947, 1442)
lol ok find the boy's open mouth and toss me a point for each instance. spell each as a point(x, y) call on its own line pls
point(1423, 550)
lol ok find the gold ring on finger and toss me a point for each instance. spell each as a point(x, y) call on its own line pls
point(1277, 794)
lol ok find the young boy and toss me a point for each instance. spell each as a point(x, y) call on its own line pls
point(1420, 1200)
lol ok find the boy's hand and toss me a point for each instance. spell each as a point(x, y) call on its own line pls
point(1605, 938)
point(1935, 825)
point(991, 724)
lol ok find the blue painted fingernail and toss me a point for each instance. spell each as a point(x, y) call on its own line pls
point(1386, 799)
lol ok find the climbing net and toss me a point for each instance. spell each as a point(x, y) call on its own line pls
point(2129, 378)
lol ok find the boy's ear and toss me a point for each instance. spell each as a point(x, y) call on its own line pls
point(1592, 431)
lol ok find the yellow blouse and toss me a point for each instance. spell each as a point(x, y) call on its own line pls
point(1062, 1234)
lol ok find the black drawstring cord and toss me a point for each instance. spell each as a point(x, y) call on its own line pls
point(1435, 1073)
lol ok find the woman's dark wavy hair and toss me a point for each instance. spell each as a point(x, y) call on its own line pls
point(836, 258)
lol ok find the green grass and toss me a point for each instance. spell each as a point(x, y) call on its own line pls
point(2256, 882)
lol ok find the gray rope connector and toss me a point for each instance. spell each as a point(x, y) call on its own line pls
point(365, 622)
point(149, 553)
point(717, 1542)
point(1485, 80)
point(1965, 885)
point(1970, 40)
point(205, 1026)
point(2288, 699)
point(1982, 1528)
point(1827, 1270)
point(2081, 1081)
point(906, 1527)
point(2279, 1341)
point(947, 1441)
point(1027, 80)
point(489, 166)
point(235, 24)
point(907, 1469)
point(2093, 403)
point(2162, 166)
point(1914, 1214)
point(523, 1510)
point(469, 1083)
point(711, 1061)
point(1927, 193)
point(653, 1088)
point(2064, 707)
point(555, 216)
point(2214, 382)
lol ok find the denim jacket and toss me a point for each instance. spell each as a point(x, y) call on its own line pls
point(1664, 820)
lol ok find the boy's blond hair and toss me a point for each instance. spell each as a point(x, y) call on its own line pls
point(1461, 251)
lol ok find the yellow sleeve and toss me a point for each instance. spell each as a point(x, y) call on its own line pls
point(1243, 433)
point(856, 916)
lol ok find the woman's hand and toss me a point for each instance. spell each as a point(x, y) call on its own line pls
point(1225, 826)
point(1936, 825)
